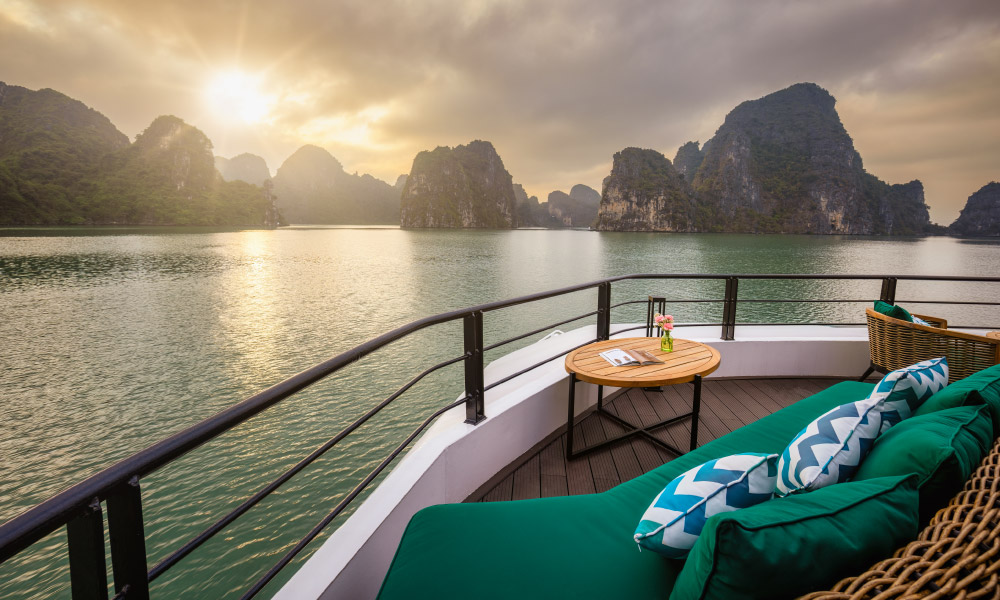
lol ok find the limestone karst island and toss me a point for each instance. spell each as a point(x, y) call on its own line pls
point(783, 163)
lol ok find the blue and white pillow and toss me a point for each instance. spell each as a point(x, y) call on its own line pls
point(903, 391)
point(830, 449)
point(672, 523)
point(920, 321)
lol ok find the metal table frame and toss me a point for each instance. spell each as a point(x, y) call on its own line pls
point(633, 429)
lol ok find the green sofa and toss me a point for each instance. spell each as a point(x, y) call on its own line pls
point(576, 547)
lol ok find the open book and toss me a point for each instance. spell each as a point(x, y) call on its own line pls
point(622, 358)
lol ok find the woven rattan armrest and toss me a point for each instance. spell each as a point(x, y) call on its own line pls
point(894, 344)
point(956, 556)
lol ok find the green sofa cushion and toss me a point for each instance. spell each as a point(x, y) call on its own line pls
point(942, 448)
point(977, 388)
point(893, 310)
point(789, 546)
point(576, 546)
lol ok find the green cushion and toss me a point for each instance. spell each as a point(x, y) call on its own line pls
point(977, 388)
point(575, 546)
point(943, 448)
point(893, 310)
point(789, 546)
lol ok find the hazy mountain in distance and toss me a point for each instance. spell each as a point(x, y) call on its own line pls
point(243, 167)
point(312, 187)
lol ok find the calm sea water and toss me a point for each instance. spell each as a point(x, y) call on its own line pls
point(111, 340)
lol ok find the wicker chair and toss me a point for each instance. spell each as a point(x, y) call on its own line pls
point(895, 344)
point(956, 556)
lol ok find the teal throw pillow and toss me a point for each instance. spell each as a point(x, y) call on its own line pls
point(903, 391)
point(789, 546)
point(942, 448)
point(672, 523)
point(893, 310)
point(829, 449)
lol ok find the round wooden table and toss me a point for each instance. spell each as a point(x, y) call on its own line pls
point(689, 362)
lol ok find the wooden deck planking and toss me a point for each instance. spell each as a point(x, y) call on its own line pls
point(726, 405)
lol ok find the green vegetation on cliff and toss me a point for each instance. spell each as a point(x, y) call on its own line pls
point(781, 164)
point(981, 215)
point(466, 186)
point(62, 163)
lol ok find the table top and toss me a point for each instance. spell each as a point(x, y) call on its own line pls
point(680, 366)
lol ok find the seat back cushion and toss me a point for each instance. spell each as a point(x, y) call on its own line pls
point(789, 546)
point(942, 448)
point(977, 388)
point(577, 547)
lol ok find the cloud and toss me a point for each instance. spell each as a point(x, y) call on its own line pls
point(557, 86)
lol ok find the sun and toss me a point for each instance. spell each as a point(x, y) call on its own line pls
point(237, 96)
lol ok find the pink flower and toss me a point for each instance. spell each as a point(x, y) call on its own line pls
point(659, 319)
point(668, 326)
point(669, 318)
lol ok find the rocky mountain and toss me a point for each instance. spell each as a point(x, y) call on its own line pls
point(466, 186)
point(981, 215)
point(646, 193)
point(781, 164)
point(50, 147)
point(312, 187)
point(688, 159)
point(244, 167)
point(62, 163)
point(168, 177)
point(578, 208)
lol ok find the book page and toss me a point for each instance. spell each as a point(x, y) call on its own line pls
point(618, 357)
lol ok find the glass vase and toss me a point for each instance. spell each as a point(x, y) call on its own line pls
point(667, 342)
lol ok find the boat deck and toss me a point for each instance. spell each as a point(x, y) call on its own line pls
point(726, 404)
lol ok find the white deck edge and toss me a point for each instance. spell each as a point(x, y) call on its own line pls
point(453, 459)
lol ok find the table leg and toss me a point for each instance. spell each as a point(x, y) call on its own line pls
point(569, 419)
point(600, 397)
point(695, 409)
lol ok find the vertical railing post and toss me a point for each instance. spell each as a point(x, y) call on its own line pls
point(88, 573)
point(128, 541)
point(888, 293)
point(604, 311)
point(729, 308)
point(474, 382)
point(654, 305)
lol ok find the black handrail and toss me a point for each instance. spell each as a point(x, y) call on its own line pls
point(79, 507)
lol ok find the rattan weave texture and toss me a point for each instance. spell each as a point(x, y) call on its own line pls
point(895, 344)
point(956, 556)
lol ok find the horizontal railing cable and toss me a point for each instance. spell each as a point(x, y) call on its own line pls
point(537, 331)
point(259, 585)
point(534, 366)
point(221, 524)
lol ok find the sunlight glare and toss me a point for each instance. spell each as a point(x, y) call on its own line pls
point(237, 96)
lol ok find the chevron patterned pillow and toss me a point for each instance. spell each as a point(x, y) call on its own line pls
point(904, 390)
point(830, 449)
point(671, 524)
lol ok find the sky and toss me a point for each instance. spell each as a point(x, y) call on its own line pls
point(558, 86)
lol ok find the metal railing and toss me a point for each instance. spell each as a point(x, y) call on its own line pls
point(79, 508)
